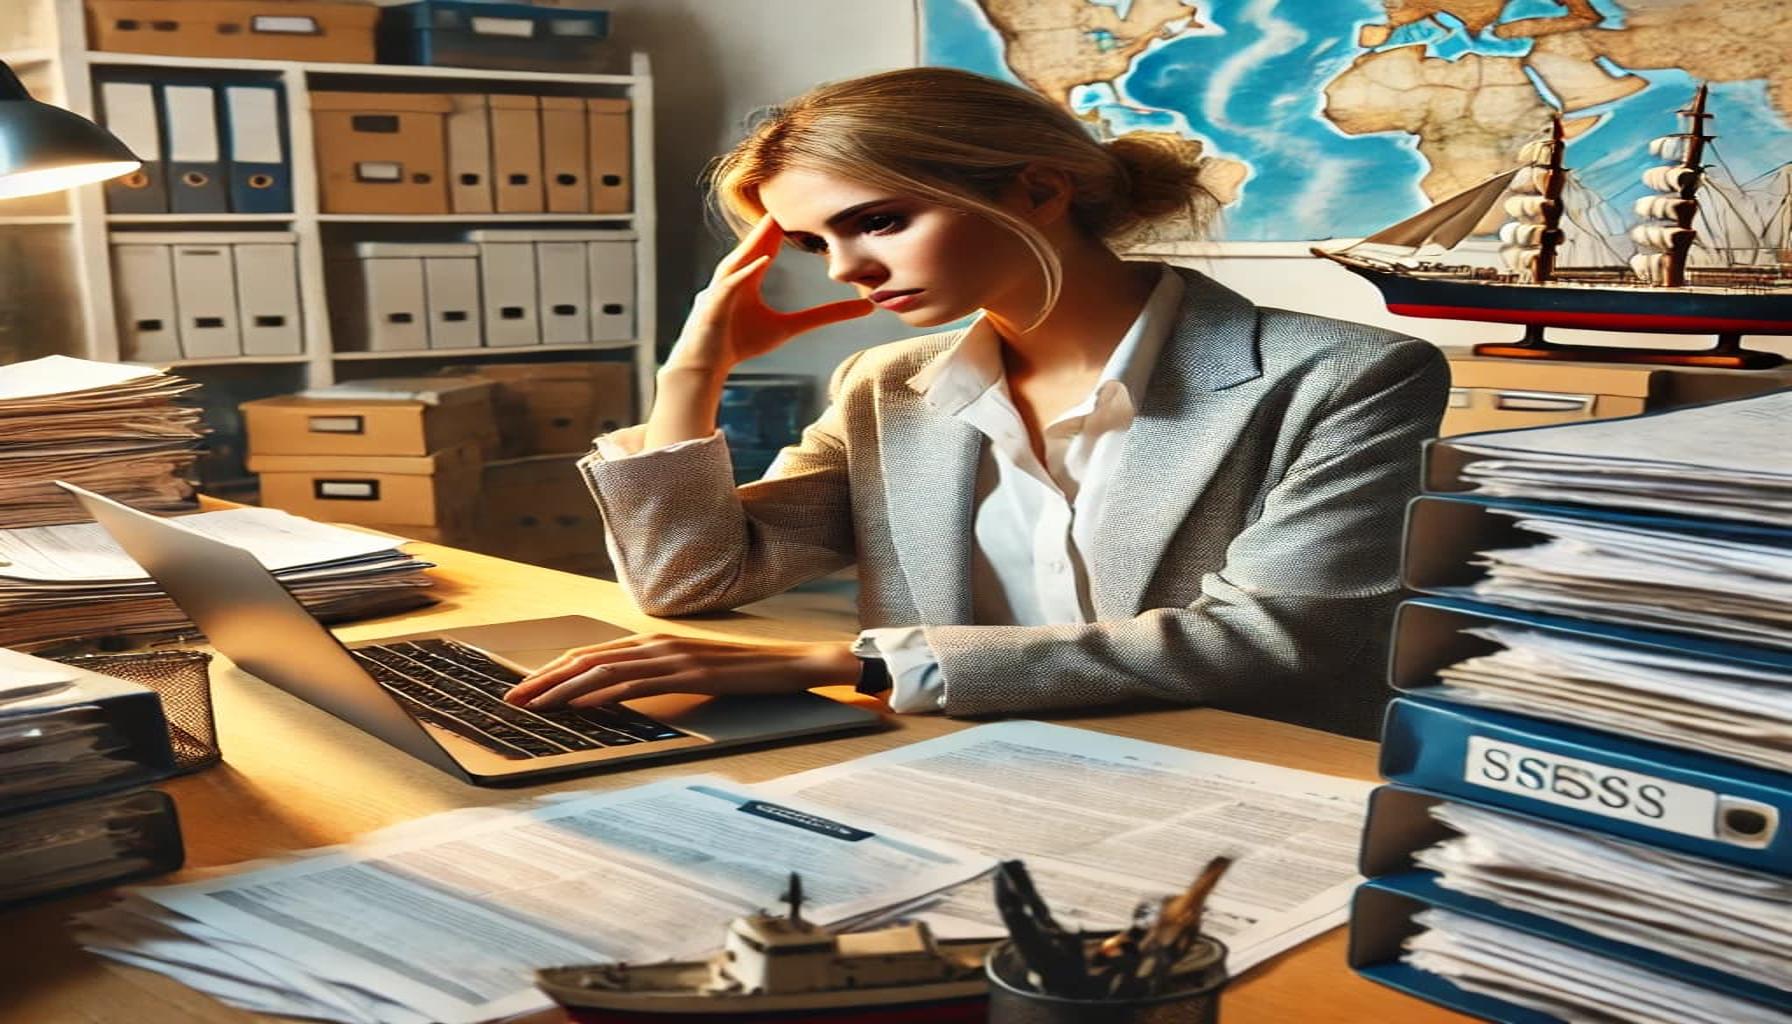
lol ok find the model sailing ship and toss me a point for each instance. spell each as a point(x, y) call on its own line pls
point(1739, 281)
point(775, 967)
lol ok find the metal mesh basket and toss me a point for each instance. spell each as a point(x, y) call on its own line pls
point(183, 680)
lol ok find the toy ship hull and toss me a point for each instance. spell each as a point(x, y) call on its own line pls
point(1451, 295)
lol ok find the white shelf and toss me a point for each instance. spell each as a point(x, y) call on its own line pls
point(502, 350)
point(107, 57)
point(475, 218)
point(46, 218)
point(199, 218)
point(225, 361)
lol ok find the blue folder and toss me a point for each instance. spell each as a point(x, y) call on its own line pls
point(252, 120)
point(1676, 799)
point(1381, 918)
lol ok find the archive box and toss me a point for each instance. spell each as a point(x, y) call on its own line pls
point(459, 33)
point(383, 423)
point(436, 490)
point(399, 297)
point(259, 29)
point(382, 152)
point(544, 408)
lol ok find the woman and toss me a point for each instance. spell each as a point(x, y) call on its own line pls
point(1121, 481)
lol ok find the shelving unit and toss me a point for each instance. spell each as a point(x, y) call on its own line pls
point(64, 47)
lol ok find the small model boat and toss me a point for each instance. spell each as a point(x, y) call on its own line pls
point(780, 967)
point(1722, 266)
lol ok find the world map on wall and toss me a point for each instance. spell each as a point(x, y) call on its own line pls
point(1335, 118)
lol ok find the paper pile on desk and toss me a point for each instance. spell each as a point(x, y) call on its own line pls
point(109, 427)
point(1696, 910)
point(447, 917)
point(1728, 589)
point(73, 582)
point(1727, 460)
point(1732, 710)
point(1104, 822)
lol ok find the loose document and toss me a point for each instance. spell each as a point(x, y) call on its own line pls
point(1105, 822)
point(1562, 981)
point(1723, 588)
point(446, 918)
point(1726, 460)
point(1732, 710)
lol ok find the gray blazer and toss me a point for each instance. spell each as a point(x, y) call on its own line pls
point(1246, 558)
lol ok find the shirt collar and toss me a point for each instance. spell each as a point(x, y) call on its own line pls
point(957, 376)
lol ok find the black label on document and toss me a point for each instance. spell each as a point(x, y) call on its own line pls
point(791, 816)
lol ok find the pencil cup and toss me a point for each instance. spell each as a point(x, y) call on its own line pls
point(183, 680)
point(1193, 996)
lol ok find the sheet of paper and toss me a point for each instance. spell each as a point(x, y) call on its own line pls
point(449, 916)
point(1104, 822)
point(56, 375)
point(1746, 436)
point(1563, 981)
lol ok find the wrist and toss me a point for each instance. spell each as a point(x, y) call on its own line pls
point(833, 664)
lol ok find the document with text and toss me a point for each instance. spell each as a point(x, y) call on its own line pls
point(447, 918)
point(1104, 822)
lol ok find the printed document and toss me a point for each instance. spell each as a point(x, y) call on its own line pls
point(1105, 822)
point(448, 917)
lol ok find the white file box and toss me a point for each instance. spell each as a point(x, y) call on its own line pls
point(507, 286)
point(205, 294)
point(148, 321)
point(451, 288)
point(564, 301)
point(267, 295)
point(393, 307)
point(610, 265)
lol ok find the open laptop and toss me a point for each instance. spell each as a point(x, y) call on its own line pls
point(435, 695)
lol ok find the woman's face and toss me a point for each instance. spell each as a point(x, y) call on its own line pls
point(928, 264)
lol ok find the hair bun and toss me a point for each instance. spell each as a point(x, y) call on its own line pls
point(1162, 171)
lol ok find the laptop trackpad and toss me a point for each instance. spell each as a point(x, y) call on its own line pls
point(532, 643)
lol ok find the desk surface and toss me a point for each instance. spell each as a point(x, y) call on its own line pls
point(294, 777)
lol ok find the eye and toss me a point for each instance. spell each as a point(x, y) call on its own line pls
point(882, 223)
point(809, 243)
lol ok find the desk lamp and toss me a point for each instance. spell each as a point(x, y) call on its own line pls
point(48, 149)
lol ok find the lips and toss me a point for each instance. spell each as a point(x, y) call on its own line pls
point(895, 299)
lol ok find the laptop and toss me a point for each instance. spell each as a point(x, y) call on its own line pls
point(435, 695)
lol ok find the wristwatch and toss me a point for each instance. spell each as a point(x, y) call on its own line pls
point(874, 674)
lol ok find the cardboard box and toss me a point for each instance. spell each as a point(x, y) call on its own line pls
point(1504, 394)
point(381, 424)
point(538, 510)
point(544, 408)
point(437, 490)
point(257, 29)
point(382, 152)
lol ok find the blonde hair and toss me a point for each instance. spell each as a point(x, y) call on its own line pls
point(959, 139)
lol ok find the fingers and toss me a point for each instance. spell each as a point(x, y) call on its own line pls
point(613, 681)
point(572, 663)
point(762, 240)
point(828, 313)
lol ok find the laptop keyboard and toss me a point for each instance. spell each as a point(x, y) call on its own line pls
point(458, 688)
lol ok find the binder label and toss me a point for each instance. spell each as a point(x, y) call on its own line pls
point(1591, 787)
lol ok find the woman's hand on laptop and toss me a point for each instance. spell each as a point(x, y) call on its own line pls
point(648, 664)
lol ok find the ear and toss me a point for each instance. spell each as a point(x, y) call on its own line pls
point(1041, 194)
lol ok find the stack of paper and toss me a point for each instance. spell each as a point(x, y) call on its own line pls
point(1693, 909)
point(1659, 578)
point(1726, 461)
point(109, 427)
point(73, 582)
point(447, 918)
point(1564, 982)
point(1729, 709)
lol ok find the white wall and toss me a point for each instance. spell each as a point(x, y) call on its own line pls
point(715, 62)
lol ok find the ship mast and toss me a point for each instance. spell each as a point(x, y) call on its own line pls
point(1534, 235)
point(1677, 203)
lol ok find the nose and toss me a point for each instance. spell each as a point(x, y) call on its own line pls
point(849, 264)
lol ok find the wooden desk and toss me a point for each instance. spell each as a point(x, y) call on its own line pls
point(294, 777)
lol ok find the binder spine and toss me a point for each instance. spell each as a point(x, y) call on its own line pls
point(1647, 792)
point(255, 132)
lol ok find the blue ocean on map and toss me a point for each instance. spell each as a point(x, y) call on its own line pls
point(1250, 80)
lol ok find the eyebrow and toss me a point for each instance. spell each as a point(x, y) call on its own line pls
point(845, 214)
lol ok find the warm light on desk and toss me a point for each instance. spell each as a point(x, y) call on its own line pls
point(48, 149)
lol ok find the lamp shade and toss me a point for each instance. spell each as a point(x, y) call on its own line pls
point(47, 149)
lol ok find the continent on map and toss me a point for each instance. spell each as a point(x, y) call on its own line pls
point(1056, 45)
point(1470, 115)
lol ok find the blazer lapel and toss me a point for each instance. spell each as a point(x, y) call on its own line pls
point(930, 463)
point(1193, 410)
